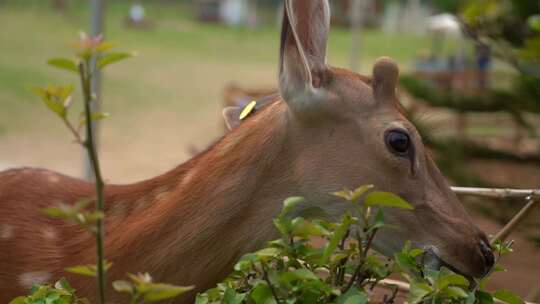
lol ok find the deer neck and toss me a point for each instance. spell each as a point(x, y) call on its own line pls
point(198, 219)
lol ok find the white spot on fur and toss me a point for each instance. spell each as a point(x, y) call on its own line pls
point(188, 177)
point(119, 209)
point(141, 204)
point(53, 177)
point(49, 233)
point(6, 231)
point(28, 279)
point(161, 193)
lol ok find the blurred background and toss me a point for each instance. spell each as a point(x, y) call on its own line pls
point(470, 82)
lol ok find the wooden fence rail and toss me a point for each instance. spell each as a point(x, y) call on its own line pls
point(531, 196)
point(500, 193)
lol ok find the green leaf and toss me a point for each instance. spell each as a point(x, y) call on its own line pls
point(290, 203)
point(202, 299)
point(267, 253)
point(352, 296)
point(498, 268)
point(534, 22)
point(471, 298)
point(416, 252)
point(18, 300)
point(405, 262)
point(282, 225)
point(378, 221)
point(245, 262)
point(57, 108)
point(484, 297)
point(123, 286)
point(160, 291)
point(55, 97)
point(338, 235)
point(94, 117)
point(305, 274)
point(357, 193)
point(451, 279)
point(345, 194)
point(55, 212)
point(232, 297)
point(104, 46)
point(386, 199)
point(262, 294)
point(313, 212)
point(503, 248)
point(303, 228)
point(64, 63)
point(507, 297)
point(418, 291)
point(456, 292)
point(87, 270)
point(111, 58)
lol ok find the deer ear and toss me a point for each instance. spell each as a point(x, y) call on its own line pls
point(231, 115)
point(385, 78)
point(304, 38)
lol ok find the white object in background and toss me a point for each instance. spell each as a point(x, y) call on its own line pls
point(446, 23)
point(137, 13)
point(233, 12)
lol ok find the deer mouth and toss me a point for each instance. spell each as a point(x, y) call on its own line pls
point(432, 260)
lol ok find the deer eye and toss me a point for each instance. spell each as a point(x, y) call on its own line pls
point(398, 141)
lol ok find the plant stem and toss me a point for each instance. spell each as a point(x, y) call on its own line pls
point(340, 276)
point(84, 71)
point(360, 263)
point(73, 131)
point(270, 286)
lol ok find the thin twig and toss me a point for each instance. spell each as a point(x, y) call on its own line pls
point(75, 132)
point(270, 286)
point(94, 160)
point(515, 221)
point(391, 299)
point(341, 271)
point(361, 262)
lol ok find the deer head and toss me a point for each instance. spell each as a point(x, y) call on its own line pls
point(347, 130)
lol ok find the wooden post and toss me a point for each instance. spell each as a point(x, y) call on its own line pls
point(356, 14)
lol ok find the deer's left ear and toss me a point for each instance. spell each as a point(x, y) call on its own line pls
point(302, 63)
point(231, 115)
point(385, 79)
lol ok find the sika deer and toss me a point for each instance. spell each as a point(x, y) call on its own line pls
point(331, 128)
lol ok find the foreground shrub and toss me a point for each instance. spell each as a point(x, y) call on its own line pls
point(344, 269)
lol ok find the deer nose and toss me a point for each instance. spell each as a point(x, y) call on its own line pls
point(487, 252)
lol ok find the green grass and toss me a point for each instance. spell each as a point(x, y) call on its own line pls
point(31, 33)
point(166, 99)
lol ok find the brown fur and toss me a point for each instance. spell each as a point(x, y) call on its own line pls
point(190, 231)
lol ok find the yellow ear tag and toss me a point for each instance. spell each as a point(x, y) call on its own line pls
point(248, 109)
